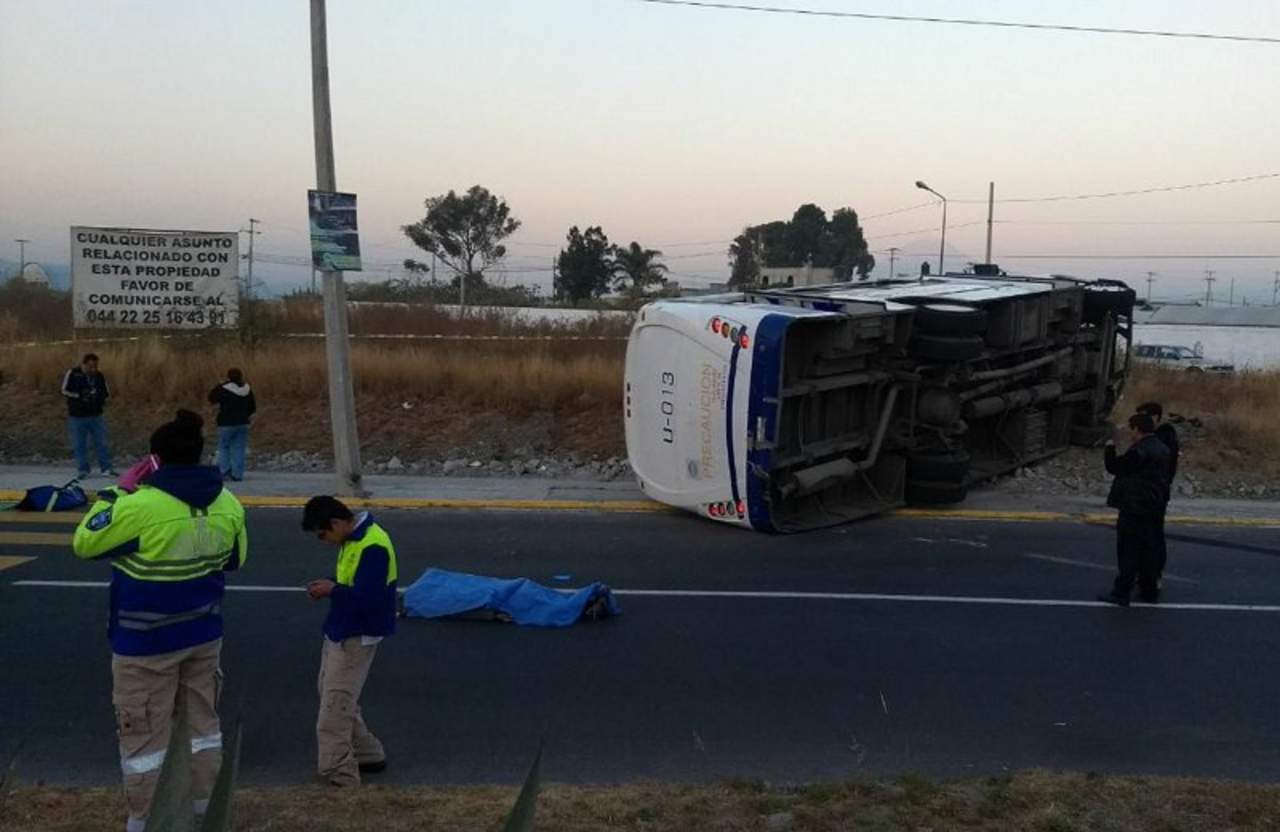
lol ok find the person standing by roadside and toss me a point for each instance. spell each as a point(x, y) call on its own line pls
point(169, 544)
point(1139, 492)
point(362, 611)
point(86, 392)
point(236, 406)
point(1166, 433)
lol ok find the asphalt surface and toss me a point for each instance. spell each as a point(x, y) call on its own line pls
point(885, 674)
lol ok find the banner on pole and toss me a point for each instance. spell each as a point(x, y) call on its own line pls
point(335, 242)
point(132, 278)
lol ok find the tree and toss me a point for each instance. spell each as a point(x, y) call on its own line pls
point(639, 265)
point(465, 233)
point(583, 267)
point(837, 243)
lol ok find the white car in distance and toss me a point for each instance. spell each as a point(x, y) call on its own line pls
point(1179, 358)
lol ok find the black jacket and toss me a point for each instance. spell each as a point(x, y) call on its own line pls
point(1166, 434)
point(1141, 484)
point(235, 403)
point(86, 393)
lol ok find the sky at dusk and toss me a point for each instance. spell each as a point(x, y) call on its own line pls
point(675, 127)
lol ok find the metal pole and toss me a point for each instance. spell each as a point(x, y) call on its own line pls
point(1275, 288)
point(1209, 280)
point(942, 248)
point(991, 213)
point(22, 255)
point(342, 407)
point(1231, 298)
point(252, 234)
point(1151, 278)
point(893, 256)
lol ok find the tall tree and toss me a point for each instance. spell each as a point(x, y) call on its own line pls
point(465, 233)
point(583, 266)
point(639, 266)
point(837, 243)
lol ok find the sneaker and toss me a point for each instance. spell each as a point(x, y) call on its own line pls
point(373, 768)
point(1149, 597)
point(1112, 598)
point(110, 472)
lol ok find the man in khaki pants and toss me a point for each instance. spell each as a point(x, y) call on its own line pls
point(169, 543)
point(362, 611)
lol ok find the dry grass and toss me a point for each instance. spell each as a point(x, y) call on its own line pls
point(1239, 413)
point(1035, 801)
point(454, 392)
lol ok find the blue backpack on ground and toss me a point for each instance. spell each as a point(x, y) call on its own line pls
point(54, 498)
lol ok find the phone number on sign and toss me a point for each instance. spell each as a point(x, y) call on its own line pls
point(155, 317)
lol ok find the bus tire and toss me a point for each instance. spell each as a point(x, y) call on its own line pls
point(924, 493)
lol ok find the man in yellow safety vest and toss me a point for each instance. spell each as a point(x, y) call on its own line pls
point(362, 611)
point(168, 544)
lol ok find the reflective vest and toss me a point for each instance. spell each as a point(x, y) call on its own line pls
point(363, 606)
point(167, 559)
point(349, 555)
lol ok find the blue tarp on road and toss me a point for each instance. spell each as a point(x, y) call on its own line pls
point(442, 594)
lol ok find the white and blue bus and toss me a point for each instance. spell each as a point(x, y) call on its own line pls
point(791, 409)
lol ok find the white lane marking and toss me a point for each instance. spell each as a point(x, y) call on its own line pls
point(1103, 567)
point(800, 596)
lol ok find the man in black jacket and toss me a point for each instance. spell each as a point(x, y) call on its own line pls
point(236, 406)
point(86, 392)
point(1139, 492)
point(1166, 434)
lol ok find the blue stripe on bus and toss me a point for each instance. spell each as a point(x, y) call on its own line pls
point(762, 409)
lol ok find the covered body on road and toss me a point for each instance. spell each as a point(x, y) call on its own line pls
point(784, 410)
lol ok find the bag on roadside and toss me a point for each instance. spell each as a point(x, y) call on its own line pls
point(54, 498)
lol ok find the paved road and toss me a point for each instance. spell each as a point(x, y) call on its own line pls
point(843, 653)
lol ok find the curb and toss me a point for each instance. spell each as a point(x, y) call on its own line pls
point(650, 507)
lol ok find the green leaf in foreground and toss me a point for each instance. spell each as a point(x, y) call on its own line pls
point(521, 817)
point(171, 807)
point(6, 776)
point(219, 816)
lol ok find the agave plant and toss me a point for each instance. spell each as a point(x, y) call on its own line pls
point(171, 809)
point(521, 817)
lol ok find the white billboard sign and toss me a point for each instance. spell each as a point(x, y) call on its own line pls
point(130, 278)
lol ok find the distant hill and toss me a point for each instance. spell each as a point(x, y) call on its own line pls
point(59, 273)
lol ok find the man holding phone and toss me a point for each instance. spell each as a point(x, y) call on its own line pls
point(362, 611)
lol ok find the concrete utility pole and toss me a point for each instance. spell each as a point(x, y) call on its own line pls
point(1209, 280)
point(342, 405)
point(248, 286)
point(1151, 278)
point(991, 215)
point(893, 256)
point(22, 254)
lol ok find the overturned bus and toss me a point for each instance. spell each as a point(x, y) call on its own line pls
point(792, 409)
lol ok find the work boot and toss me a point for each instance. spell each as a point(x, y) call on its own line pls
point(1112, 598)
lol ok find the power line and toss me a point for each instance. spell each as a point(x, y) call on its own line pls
point(1137, 222)
point(1110, 194)
point(1130, 256)
point(957, 21)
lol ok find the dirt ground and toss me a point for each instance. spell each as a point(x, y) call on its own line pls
point(1035, 801)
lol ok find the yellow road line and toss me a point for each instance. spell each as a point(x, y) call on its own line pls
point(40, 518)
point(977, 514)
point(8, 562)
point(422, 502)
point(646, 506)
point(35, 538)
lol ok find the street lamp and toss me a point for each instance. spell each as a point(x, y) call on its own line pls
point(943, 247)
